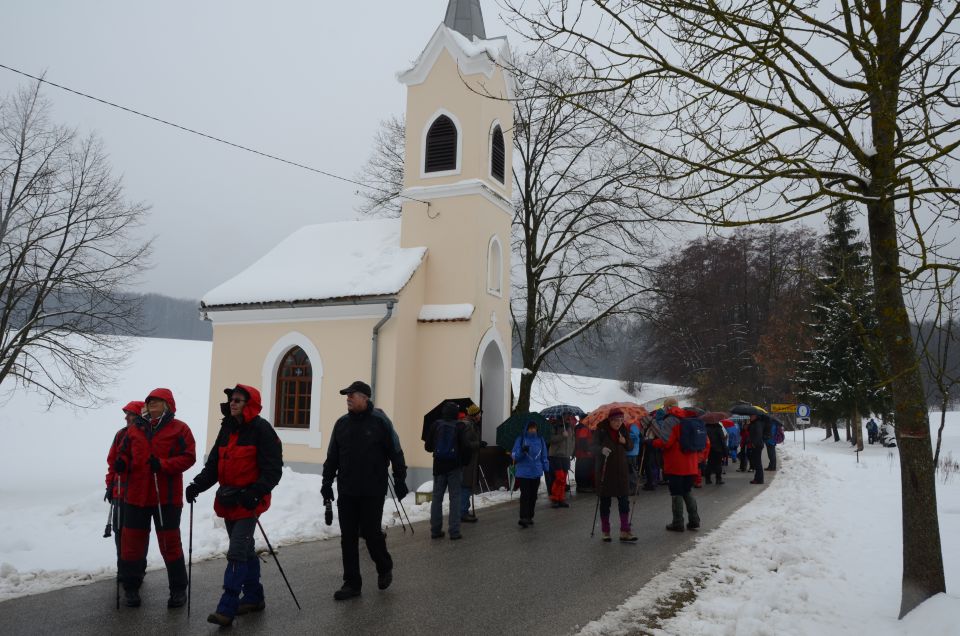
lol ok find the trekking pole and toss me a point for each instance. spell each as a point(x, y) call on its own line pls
point(483, 476)
point(108, 528)
point(403, 508)
point(279, 567)
point(396, 505)
point(190, 563)
point(596, 511)
point(156, 486)
point(636, 490)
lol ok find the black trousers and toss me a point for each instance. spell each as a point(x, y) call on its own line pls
point(757, 460)
point(528, 496)
point(715, 465)
point(362, 517)
point(744, 458)
point(772, 456)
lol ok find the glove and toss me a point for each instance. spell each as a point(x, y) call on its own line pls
point(154, 464)
point(606, 451)
point(483, 444)
point(400, 489)
point(524, 448)
point(109, 495)
point(119, 465)
point(328, 513)
point(326, 491)
point(249, 499)
point(192, 493)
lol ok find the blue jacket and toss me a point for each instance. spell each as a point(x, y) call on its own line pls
point(533, 463)
point(635, 436)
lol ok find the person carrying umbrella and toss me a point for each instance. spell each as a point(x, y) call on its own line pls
point(530, 455)
point(561, 450)
point(612, 441)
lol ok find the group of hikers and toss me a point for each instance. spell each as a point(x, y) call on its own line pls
point(149, 455)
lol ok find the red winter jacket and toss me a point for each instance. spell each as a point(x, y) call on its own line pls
point(247, 455)
point(675, 461)
point(169, 440)
point(115, 485)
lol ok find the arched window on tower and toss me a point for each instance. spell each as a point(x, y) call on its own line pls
point(294, 381)
point(441, 146)
point(498, 155)
point(494, 267)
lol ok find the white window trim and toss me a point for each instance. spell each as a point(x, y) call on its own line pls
point(498, 291)
point(423, 146)
point(493, 126)
point(271, 364)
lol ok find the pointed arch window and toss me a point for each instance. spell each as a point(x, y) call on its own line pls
point(498, 154)
point(294, 382)
point(440, 153)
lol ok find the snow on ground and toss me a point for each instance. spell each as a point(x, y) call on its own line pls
point(52, 465)
point(818, 552)
point(589, 393)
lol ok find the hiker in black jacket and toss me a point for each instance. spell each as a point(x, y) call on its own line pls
point(363, 442)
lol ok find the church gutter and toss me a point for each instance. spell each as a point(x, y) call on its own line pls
point(338, 302)
point(376, 346)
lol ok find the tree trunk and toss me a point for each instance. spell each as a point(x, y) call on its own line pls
point(923, 574)
point(858, 428)
point(836, 432)
point(846, 424)
point(523, 397)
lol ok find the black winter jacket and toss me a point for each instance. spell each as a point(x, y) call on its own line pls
point(361, 446)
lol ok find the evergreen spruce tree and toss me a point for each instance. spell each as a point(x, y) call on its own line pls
point(840, 375)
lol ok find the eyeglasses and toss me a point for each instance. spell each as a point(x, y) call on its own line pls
point(237, 400)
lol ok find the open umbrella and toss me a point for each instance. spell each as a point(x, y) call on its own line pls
point(513, 427)
point(714, 417)
point(744, 408)
point(558, 411)
point(435, 414)
point(632, 413)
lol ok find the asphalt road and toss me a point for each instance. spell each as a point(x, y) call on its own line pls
point(548, 579)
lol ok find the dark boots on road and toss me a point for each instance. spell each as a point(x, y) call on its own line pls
point(676, 504)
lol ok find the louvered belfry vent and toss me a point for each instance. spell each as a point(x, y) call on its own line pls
point(497, 155)
point(441, 152)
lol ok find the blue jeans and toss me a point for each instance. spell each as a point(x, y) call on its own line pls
point(443, 483)
point(465, 493)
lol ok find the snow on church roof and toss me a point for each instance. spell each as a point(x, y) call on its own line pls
point(473, 55)
point(326, 261)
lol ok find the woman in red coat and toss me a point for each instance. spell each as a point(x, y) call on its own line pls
point(159, 448)
point(115, 485)
point(680, 468)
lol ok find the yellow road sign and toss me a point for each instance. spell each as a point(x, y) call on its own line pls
point(783, 408)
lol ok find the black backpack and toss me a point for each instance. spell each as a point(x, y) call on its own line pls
point(693, 435)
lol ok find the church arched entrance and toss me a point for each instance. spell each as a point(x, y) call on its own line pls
point(493, 388)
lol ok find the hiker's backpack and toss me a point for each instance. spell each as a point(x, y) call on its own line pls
point(733, 437)
point(693, 435)
point(779, 437)
point(445, 444)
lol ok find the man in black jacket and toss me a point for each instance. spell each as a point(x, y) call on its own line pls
point(758, 423)
point(363, 442)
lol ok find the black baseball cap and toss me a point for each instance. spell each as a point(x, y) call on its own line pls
point(358, 386)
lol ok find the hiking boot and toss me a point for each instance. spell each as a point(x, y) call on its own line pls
point(627, 537)
point(523, 523)
point(178, 598)
point(719, 482)
point(693, 525)
point(384, 580)
point(468, 518)
point(554, 504)
point(456, 537)
point(345, 592)
point(220, 619)
point(250, 608)
point(563, 504)
point(754, 481)
point(773, 470)
point(131, 598)
point(672, 527)
point(708, 480)
point(438, 535)
point(605, 537)
point(648, 487)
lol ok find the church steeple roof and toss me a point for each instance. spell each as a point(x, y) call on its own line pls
point(465, 16)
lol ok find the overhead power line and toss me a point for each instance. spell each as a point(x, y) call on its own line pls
point(205, 135)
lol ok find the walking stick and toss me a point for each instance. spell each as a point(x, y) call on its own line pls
point(280, 567)
point(107, 529)
point(190, 564)
point(636, 490)
point(403, 509)
point(396, 505)
point(596, 511)
point(156, 486)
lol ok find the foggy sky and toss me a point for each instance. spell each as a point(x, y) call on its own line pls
point(308, 80)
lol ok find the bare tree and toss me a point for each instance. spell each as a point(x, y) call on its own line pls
point(66, 251)
point(775, 111)
point(382, 174)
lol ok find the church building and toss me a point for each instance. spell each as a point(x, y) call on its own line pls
point(418, 307)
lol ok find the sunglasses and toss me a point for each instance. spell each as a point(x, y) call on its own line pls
point(237, 400)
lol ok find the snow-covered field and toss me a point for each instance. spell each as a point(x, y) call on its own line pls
point(818, 552)
point(52, 465)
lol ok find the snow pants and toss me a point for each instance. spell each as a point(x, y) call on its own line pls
point(135, 541)
point(361, 517)
point(528, 496)
point(559, 467)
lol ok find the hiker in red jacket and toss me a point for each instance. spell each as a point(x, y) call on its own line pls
point(115, 485)
point(247, 462)
point(159, 448)
point(681, 468)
